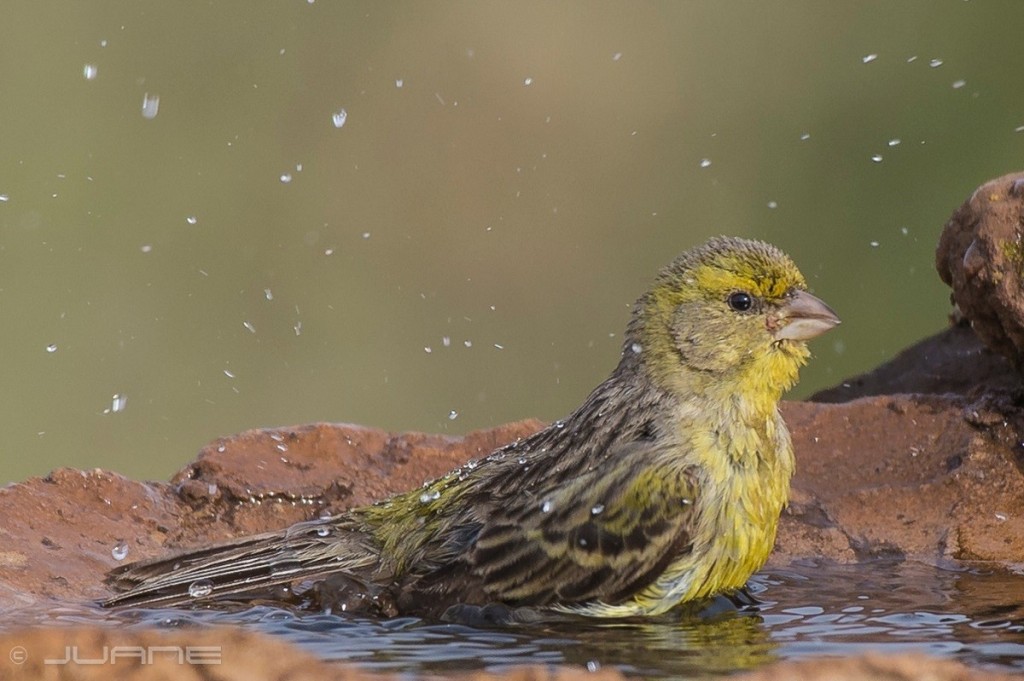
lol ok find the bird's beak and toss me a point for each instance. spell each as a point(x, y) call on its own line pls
point(803, 317)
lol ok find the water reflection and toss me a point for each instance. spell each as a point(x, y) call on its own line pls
point(805, 610)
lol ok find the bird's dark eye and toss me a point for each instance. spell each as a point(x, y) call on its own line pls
point(741, 301)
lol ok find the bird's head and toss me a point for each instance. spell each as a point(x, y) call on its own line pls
point(731, 313)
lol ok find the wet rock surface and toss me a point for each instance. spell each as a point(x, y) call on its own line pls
point(922, 458)
point(981, 256)
point(229, 654)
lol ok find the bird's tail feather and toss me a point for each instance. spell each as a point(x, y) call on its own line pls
point(302, 551)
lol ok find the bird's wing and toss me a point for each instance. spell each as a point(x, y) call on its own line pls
point(600, 537)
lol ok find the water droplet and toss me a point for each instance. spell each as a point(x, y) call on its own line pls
point(874, 244)
point(582, 542)
point(298, 328)
point(366, 235)
point(452, 415)
point(249, 325)
point(593, 666)
point(146, 248)
point(51, 348)
point(4, 198)
point(120, 550)
point(468, 343)
point(446, 341)
point(904, 231)
point(399, 82)
point(150, 106)
point(427, 497)
point(935, 63)
point(499, 346)
point(522, 460)
point(528, 81)
point(118, 403)
point(773, 204)
point(957, 84)
point(705, 163)
point(228, 373)
point(597, 509)
point(323, 531)
point(877, 158)
point(867, 59)
point(636, 348)
point(339, 117)
point(427, 349)
point(546, 506)
point(894, 142)
point(286, 178)
point(191, 219)
point(200, 588)
point(805, 136)
point(89, 71)
point(268, 294)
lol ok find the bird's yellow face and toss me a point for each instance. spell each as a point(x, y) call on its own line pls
point(733, 313)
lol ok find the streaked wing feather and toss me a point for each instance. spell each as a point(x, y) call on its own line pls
point(601, 537)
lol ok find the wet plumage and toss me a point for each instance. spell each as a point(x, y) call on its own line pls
point(664, 486)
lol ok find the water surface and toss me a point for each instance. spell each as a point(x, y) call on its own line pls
point(804, 611)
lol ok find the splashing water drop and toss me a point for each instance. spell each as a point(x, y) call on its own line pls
point(120, 550)
point(339, 117)
point(51, 348)
point(867, 59)
point(452, 415)
point(89, 71)
point(150, 106)
point(705, 163)
point(877, 158)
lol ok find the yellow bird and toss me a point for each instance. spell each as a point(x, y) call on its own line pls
point(665, 486)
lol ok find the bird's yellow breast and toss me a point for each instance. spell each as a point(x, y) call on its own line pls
point(744, 485)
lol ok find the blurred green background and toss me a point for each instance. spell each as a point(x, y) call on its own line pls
point(464, 249)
